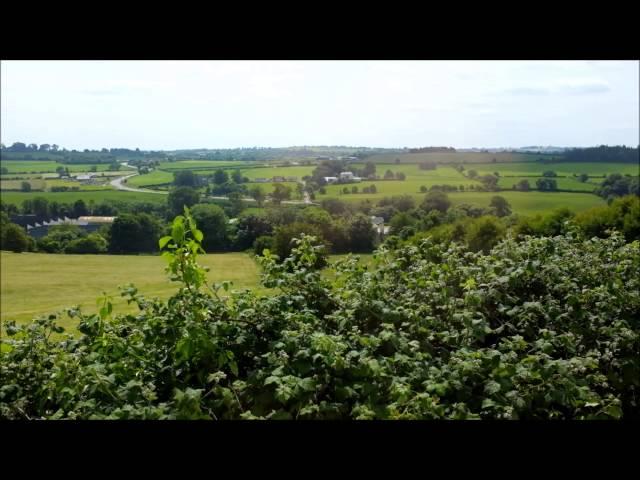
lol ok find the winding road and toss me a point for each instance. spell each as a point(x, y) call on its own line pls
point(118, 184)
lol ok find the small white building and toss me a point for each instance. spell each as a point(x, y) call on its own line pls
point(331, 179)
point(348, 176)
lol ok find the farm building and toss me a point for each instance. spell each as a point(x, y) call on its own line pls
point(261, 180)
point(39, 229)
point(278, 179)
point(330, 179)
point(348, 177)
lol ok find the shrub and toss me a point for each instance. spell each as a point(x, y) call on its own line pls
point(428, 332)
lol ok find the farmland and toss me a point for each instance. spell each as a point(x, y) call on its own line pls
point(37, 166)
point(456, 157)
point(37, 283)
point(562, 169)
point(69, 197)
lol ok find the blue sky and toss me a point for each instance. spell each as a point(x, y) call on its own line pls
point(224, 104)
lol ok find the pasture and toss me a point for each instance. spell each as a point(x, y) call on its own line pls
point(46, 166)
point(564, 183)
point(37, 283)
point(455, 157)
point(561, 168)
point(69, 197)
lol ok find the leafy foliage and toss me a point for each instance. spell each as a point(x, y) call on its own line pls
point(544, 328)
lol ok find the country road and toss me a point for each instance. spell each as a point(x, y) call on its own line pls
point(118, 184)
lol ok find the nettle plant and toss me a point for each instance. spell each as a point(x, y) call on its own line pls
point(543, 328)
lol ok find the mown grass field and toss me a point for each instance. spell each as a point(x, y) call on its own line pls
point(69, 197)
point(37, 166)
point(37, 283)
point(531, 203)
point(200, 164)
point(564, 183)
point(566, 168)
point(456, 157)
point(157, 177)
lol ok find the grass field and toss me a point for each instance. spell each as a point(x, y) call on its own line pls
point(69, 197)
point(531, 203)
point(157, 177)
point(36, 184)
point(564, 183)
point(456, 157)
point(566, 168)
point(37, 166)
point(199, 164)
point(268, 172)
point(37, 283)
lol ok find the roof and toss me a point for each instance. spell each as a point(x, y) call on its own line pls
point(91, 219)
point(377, 220)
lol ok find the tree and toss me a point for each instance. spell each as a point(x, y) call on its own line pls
point(472, 174)
point(361, 233)
point(345, 190)
point(180, 197)
point(373, 189)
point(220, 176)
point(400, 176)
point(236, 176)
point(399, 221)
point(354, 189)
point(40, 206)
point(249, 228)
point(423, 189)
point(14, 238)
point(280, 192)
point(25, 186)
point(79, 208)
point(583, 177)
point(369, 169)
point(484, 233)
point(45, 147)
point(134, 233)
point(500, 205)
point(546, 184)
point(237, 205)
point(185, 178)
point(322, 191)
point(388, 175)
point(212, 221)
point(33, 147)
point(4, 170)
point(284, 235)
point(436, 200)
point(257, 193)
point(522, 185)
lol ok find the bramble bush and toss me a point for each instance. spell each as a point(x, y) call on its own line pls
point(542, 328)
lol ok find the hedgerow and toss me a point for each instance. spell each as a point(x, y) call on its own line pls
point(542, 328)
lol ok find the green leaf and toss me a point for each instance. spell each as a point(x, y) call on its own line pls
point(197, 234)
point(492, 387)
point(163, 241)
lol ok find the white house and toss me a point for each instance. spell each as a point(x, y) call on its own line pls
point(330, 179)
point(348, 176)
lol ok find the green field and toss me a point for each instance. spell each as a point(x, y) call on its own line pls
point(37, 166)
point(564, 183)
point(157, 177)
point(200, 164)
point(269, 172)
point(531, 203)
point(69, 197)
point(39, 283)
point(456, 157)
point(566, 168)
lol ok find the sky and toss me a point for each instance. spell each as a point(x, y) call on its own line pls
point(167, 105)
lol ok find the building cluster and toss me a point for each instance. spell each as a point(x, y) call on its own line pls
point(38, 226)
point(276, 179)
point(344, 177)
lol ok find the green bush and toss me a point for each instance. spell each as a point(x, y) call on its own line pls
point(545, 328)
